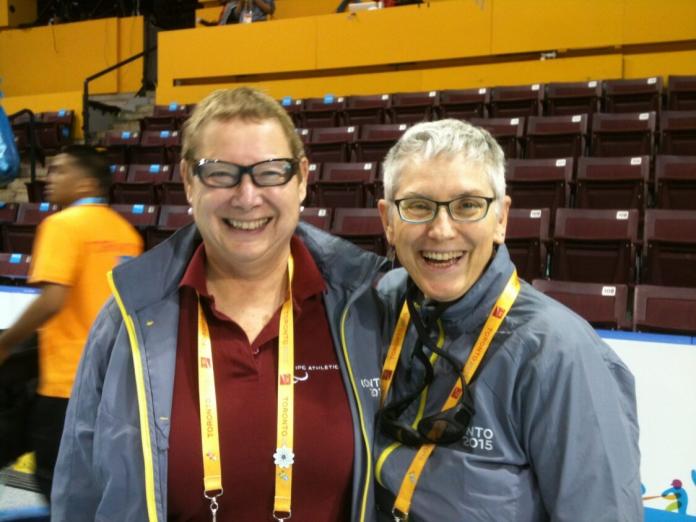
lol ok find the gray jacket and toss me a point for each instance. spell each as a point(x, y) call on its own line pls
point(554, 436)
point(109, 468)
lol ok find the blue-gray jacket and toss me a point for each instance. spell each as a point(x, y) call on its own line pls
point(554, 436)
point(112, 464)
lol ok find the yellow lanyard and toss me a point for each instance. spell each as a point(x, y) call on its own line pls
point(210, 438)
point(402, 505)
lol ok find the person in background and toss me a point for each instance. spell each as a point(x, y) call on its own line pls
point(233, 374)
point(244, 11)
point(73, 251)
point(498, 403)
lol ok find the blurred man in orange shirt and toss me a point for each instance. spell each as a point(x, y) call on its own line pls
point(73, 251)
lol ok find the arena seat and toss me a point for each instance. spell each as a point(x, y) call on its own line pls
point(626, 134)
point(345, 184)
point(669, 248)
point(331, 144)
point(374, 141)
point(508, 132)
point(517, 101)
point(556, 136)
point(664, 309)
point(675, 182)
point(413, 107)
point(610, 183)
point(681, 93)
point(14, 268)
point(678, 133)
point(540, 183)
point(171, 218)
point(595, 246)
point(322, 112)
point(319, 217)
point(361, 226)
point(603, 306)
point(526, 238)
point(370, 110)
point(570, 98)
point(635, 95)
point(463, 104)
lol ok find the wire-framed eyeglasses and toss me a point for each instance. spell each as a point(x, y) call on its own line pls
point(424, 210)
point(222, 174)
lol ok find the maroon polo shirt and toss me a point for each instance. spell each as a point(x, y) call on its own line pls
point(246, 385)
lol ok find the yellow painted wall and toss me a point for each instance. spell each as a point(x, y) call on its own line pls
point(58, 58)
point(56, 101)
point(323, 54)
point(15, 12)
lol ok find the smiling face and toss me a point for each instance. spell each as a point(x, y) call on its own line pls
point(444, 257)
point(246, 229)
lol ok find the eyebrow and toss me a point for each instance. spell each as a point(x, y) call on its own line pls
point(409, 195)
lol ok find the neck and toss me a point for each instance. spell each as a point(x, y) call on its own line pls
point(248, 297)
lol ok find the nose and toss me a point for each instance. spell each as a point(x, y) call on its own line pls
point(441, 227)
point(246, 194)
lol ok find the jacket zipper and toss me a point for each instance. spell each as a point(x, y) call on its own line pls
point(363, 429)
point(145, 437)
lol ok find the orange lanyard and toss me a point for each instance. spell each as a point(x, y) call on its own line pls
point(402, 505)
point(210, 437)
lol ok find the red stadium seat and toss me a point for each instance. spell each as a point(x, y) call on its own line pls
point(19, 236)
point(539, 183)
point(670, 248)
point(463, 104)
point(675, 182)
point(603, 306)
point(640, 95)
point(526, 238)
point(345, 184)
point(361, 226)
point(375, 141)
point(508, 132)
point(319, 217)
point(140, 216)
point(322, 112)
point(413, 107)
point(595, 246)
point(678, 133)
point(630, 134)
point(176, 110)
point(370, 110)
point(14, 267)
point(569, 98)
point(171, 218)
point(118, 145)
point(556, 136)
point(331, 144)
point(665, 309)
point(681, 93)
point(517, 101)
point(610, 183)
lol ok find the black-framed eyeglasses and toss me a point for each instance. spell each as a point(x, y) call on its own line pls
point(222, 174)
point(443, 427)
point(424, 210)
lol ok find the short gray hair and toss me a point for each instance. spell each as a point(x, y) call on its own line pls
point(450, 138)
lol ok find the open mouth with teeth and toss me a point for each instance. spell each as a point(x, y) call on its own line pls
point(247, 225)
point(441, 259)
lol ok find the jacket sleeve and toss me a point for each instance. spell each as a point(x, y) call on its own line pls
point(76, 489)
point(579, 426)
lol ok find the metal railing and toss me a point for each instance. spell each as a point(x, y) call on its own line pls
point(89, 79)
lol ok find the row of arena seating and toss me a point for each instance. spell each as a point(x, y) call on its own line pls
point(621, 182)
point(609, 135)
point(594, 246)
point(615, 306)
point(553, 99)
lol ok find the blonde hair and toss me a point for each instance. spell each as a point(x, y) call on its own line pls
point(244, 103)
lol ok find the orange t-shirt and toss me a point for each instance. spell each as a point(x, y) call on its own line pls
point(76, 248)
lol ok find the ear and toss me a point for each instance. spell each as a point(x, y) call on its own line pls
point(303, 175)
point(384, 213)
point(187, 178)
point(501, 221)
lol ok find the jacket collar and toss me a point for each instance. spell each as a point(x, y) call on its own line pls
point(471, 311)
point(152, 276)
